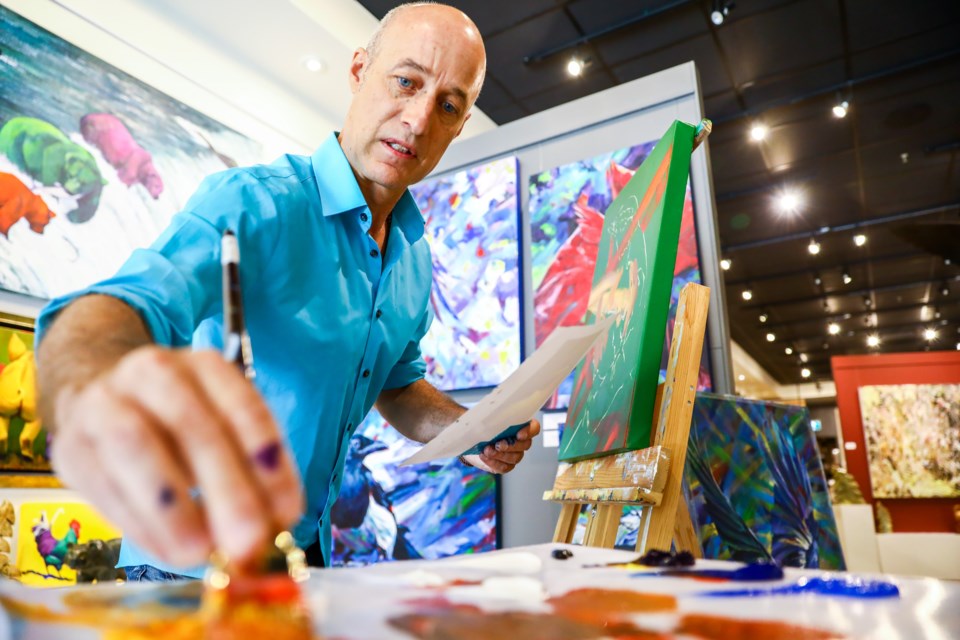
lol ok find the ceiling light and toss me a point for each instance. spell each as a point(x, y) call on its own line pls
point(758, 132)
point(803, 357)
point(833, 328)
point(771, 337)
point(788, 201)
point(741, 377)
point(958, 346)
point(873, 340)
point(747, 294)
point(847, 278)
point(788, 351)
point(575, 66)
point(313, 64)
point(859, 239)
point(725, 264)
point(805, 372)
point(945, 289)
point(813, 247)
point(816, 279)
point(841, 108)
point(930, 334)
point(720, 12)
point(867, 302)
point(764, 317)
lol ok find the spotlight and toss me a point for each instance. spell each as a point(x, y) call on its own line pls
point(817, 281)
point(764, 317)
point(945, 289)
point(771, 337)
point(725, 264)
point(803, 357)
point(575, 66)
point(747, 294)
point(313, 64)
point(833, 328)
point(873, 340)
point(859, 239)
point(741, 377)
point(841, 108)
point(788, 202)
point(720, 12)
point(758, 132)
point(847, 278)
point(958, 346)
point(930, 334)
point(813, 247)
point(867, 302)
point(788, 351)
point(805, 372)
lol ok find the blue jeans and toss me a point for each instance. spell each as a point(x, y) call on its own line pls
point(147, 573)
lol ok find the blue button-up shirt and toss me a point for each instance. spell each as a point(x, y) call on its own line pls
point(331, 321)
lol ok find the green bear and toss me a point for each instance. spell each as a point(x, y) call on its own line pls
point(43, 151)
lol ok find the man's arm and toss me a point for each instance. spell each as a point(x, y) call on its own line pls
point(138, 428)
point(420, 411)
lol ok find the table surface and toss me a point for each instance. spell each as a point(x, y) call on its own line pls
point(521, 590)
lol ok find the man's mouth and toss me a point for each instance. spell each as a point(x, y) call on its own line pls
point(400, 148)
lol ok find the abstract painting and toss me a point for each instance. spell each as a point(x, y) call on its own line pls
point(610, 410)
point(23, 440)
point(47, 533)
point(757, 489)
point(472, 226)
point(93, 162)
point(912, 433)
point(388, 512)
point(566, 207)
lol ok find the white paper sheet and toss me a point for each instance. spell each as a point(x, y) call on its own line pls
point(519, 397)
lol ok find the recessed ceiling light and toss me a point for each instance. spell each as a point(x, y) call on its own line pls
point(833, 328)
point(930, 334)
point(758, 132)
point(575, 66)
point(945, 289)
point(725, 264)
point(859, 239)
point(771, 337)
point(313, 64)
point(764, 317)
point(720, 12)
point(873, 340)
point(741, 377)
point(788, 351)
point(805, 372)
point(847, 278)
point(841, 108)
point(788, 201)
point(803, 357)
point(813, 247)
point(747, 294)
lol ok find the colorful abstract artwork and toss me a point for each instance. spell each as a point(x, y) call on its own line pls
point(48, 535)
point(23, 440)
point(566, 207)
point(472, 225)
point(388, 512)
point(912, 433)
point(610, 411)
point(757, 489)
point(93, 163)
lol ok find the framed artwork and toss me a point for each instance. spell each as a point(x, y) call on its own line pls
point(23, 440)
point(566, 206)
point(472, 225)
point(912, 433)
point(610, 411)
point(388, 512)
point(93, 162)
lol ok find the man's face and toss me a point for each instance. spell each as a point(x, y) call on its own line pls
point(412, 99)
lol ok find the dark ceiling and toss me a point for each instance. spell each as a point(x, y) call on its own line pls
point(892, 162)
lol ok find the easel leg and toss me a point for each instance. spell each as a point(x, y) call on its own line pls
point(567, 522)
point(684, 536)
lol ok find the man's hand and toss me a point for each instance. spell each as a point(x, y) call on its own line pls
point(503, 457)
point(180, 451)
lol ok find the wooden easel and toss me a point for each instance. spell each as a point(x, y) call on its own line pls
point(649, 477)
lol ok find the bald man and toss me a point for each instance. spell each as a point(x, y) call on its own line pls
point(170, 441)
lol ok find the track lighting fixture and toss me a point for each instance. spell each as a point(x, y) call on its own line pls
point(813, 247)
point(873, 341)
point(859, 239)
point(726, 263)
point(841, 109)
point(720, 11)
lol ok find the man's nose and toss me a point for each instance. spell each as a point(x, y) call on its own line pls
point(417, 112)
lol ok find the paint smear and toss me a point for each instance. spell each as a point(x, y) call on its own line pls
point(721, 628)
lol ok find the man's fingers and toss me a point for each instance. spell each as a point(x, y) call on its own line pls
point(257, 433)
point(495, 465)
point(234, 505)
point(530, 431)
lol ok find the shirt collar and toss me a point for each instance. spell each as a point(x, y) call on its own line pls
point(341, 193)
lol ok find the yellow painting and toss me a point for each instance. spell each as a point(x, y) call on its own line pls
point(46, 531)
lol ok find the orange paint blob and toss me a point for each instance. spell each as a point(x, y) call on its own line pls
point(721, 628)
point(607, 605)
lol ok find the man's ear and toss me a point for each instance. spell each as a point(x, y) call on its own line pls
point(357, 66)
point(463, 124)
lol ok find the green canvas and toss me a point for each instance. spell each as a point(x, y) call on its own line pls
point(612, 402)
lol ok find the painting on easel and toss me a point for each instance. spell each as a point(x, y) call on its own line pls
point(632, 280)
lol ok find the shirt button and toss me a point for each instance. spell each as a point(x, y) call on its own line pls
point(334, 478)
point(379, 313)
point(374, 253)
point(366, 373)
point(363, 217)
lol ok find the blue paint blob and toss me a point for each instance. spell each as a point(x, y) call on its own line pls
point(844, 587)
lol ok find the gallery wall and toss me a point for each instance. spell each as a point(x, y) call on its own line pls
point(851, 374)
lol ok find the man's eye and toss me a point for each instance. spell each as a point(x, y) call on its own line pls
point(450, 108)
point(406, 83)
